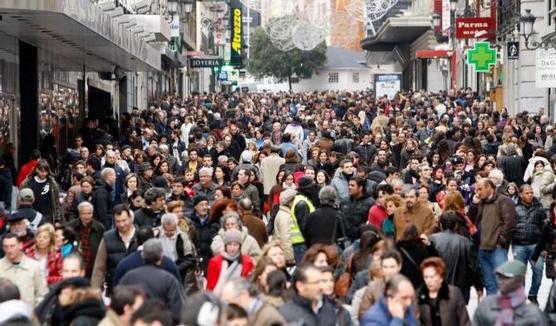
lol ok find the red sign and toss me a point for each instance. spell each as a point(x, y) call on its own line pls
point(475, 28)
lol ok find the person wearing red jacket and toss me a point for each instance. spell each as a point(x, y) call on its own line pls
point(230, 263)
point(378, 213)
point(45, 252)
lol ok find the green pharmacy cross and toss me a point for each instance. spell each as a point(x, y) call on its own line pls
point(481, 56)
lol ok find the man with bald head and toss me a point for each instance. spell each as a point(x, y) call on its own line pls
point(254, 225)
point(494, 215)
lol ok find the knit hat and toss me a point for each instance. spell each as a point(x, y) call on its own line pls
point(286, 196)
point(232, 235)
point(199, 198)
point(144, 167)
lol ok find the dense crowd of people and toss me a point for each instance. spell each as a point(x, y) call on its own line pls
point(318, 208)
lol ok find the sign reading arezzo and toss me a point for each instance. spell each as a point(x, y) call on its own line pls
point(545, 68)
point(236, 38)
point(387, 85)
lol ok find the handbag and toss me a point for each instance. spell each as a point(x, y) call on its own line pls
point(341, 287)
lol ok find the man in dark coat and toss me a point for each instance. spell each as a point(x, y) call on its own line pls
point(324, 225)
point(135, 260)
point(204, 227)
point(356, 208)
point(89, 233)
point(155, 198)
point(299, 310)
point(102, 198)
point(156, 282)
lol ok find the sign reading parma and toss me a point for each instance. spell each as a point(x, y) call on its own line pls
point(475, 28)
point(236, 37)
point(481, 56)
point(205, 62)
point(545, 68)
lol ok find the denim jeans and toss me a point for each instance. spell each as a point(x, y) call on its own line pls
point(523, 254)
point(298, 252)
point(490, 260)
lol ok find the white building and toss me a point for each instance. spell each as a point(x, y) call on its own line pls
point(345, 70)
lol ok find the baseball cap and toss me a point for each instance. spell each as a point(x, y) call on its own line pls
point(511, 268)
point(26, 194)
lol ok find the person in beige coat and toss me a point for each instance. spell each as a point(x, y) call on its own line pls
point(283, 223)
point(270, 166)
point(249, 246)
point(22, 271)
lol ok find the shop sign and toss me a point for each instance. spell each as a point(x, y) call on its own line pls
point(223, 76)
point(387, 85)
point(545, 68)
point(446, 17)
point(475, 28)
point(513, 50)
point(205, 62)
point(236, 37)
point(481, 57)
point(175, 26)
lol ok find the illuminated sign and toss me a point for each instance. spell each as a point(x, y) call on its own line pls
point(236, 38)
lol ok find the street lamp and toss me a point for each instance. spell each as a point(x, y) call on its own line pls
point(527, 21)
point(172, 8)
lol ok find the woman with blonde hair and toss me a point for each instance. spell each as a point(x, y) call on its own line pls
point(46, 253)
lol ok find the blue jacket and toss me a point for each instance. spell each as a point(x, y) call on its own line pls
point(379, 315)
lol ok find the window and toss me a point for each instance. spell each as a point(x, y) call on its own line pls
point(355, 77)
point(332, 77)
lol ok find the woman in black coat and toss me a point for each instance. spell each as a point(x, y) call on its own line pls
point(547, 243)
point(413, 251)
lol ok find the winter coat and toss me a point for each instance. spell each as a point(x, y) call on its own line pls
point(95, 236)
point(282, 231)
point(356, 212)
point(249, 245)
point(462, 262)
point(550, 309)
point(266, 315)
point(270, 166)
point(366, 153)
point(215, 268)
point(413, 253)
point(323, 226)
point(543, 184)
point(27, 276)
point(513, 167)
point(103, 204)
point(380, 315)
point(135, 260)
point(147, 217)
point(449, 308)
point(56, 211)
point(53, 263)
point(6, 186)
point(206, 231)
point(340, 183)
point(420, 215)
point(547, 241)
point(299, 311)
point(256, 228)
point(158, 284)
point(495, 220)
point(526, 314)
point(529, 223)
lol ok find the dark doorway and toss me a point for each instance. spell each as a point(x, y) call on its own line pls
point(100, 103)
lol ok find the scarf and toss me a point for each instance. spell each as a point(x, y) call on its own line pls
point(231, 268)
point(508, 303)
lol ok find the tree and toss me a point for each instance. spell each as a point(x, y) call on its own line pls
point(267, 61)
